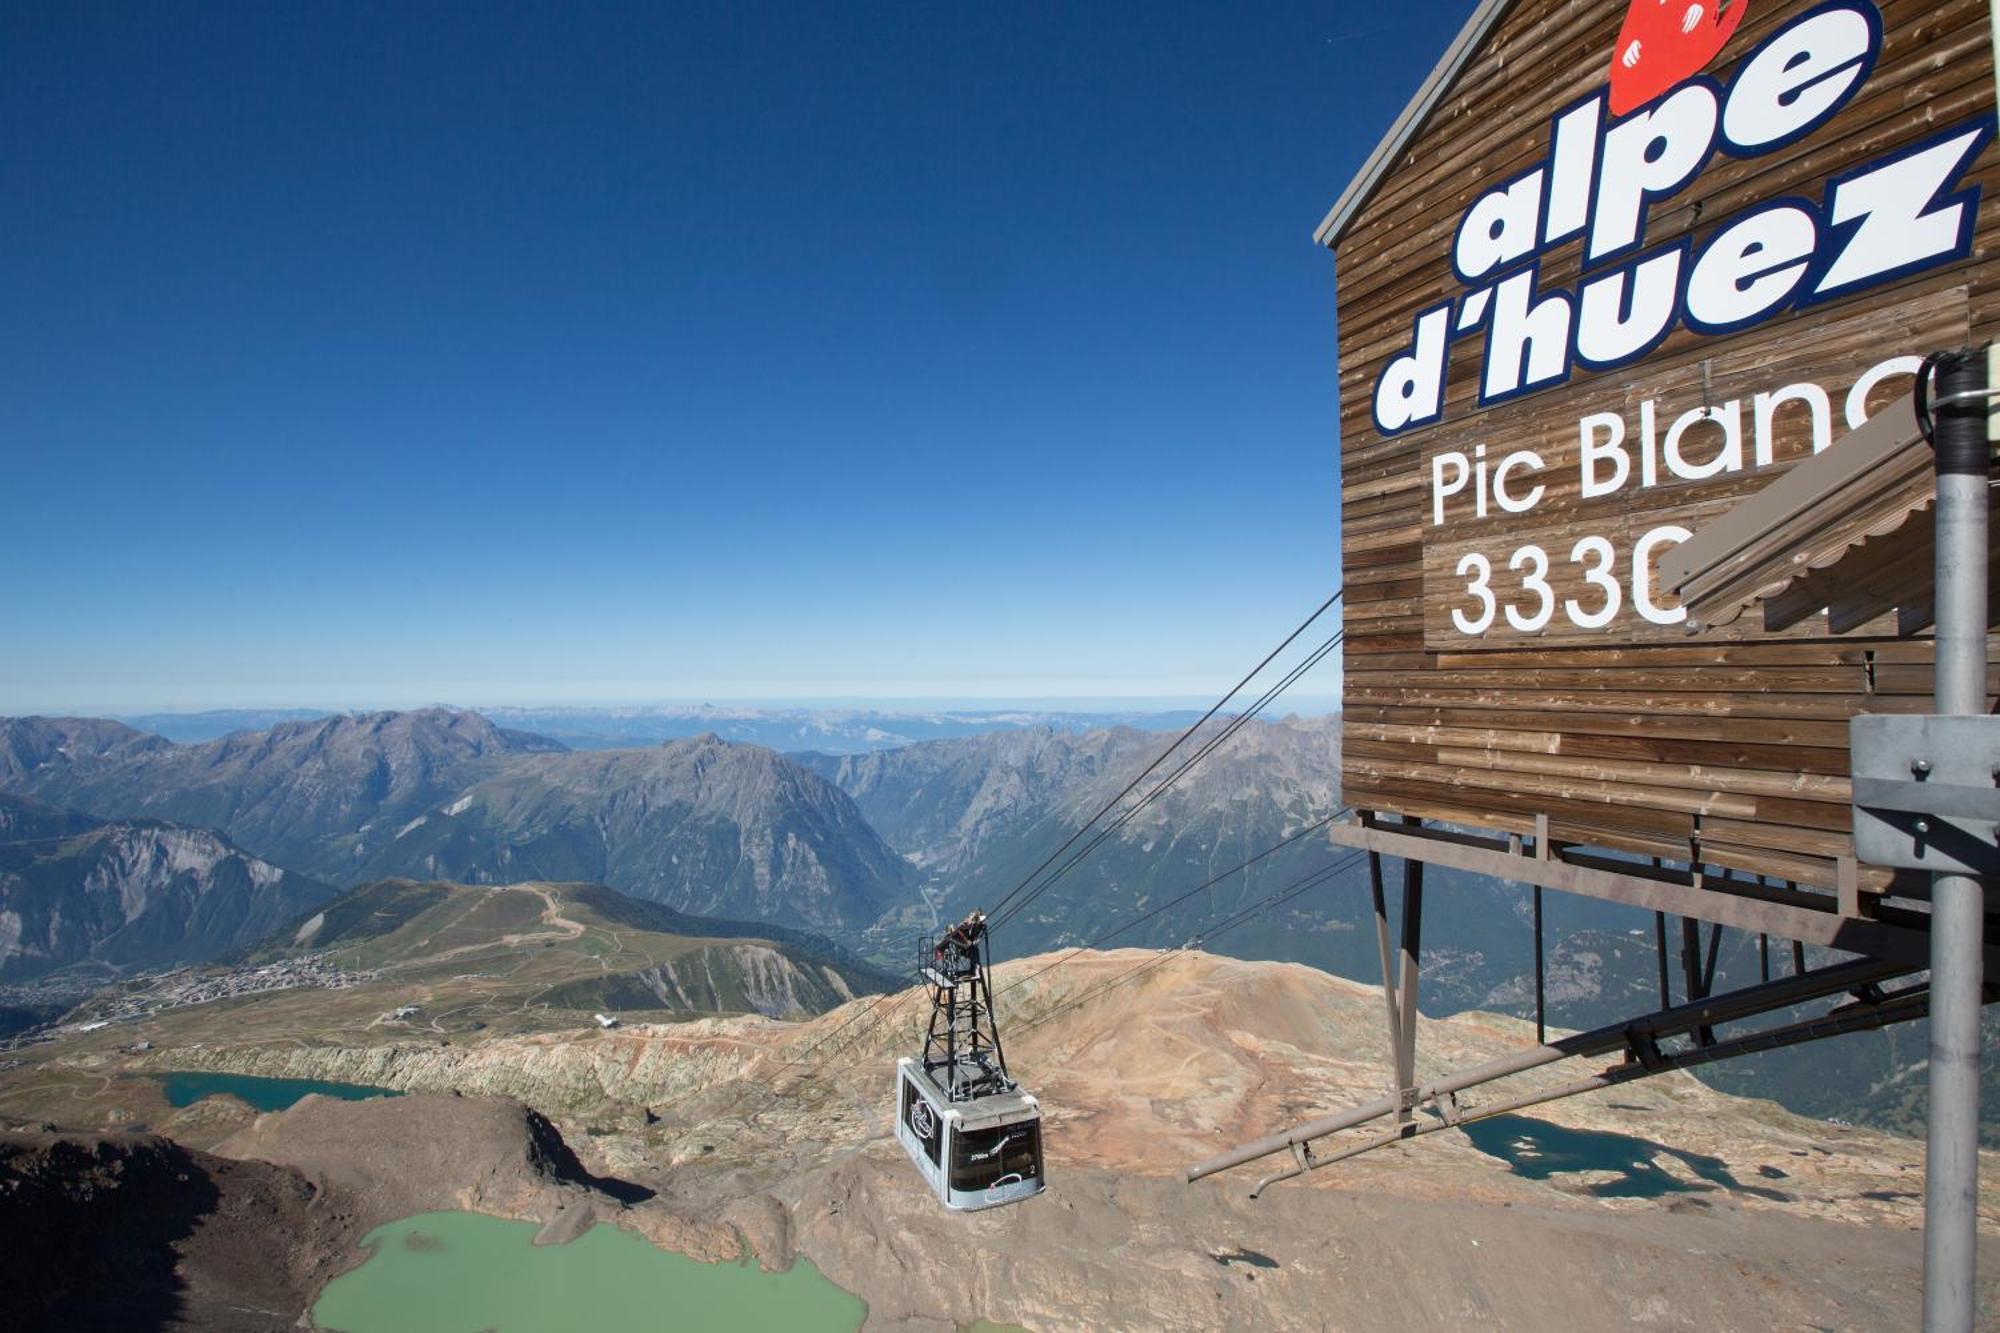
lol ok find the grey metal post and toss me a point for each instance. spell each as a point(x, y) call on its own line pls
point(1541, 997)
point(1406, 988)
point(1660, 951)
point(1951, 1164)
point(1388, 964)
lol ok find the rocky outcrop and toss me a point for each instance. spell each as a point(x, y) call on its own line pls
point(136, 1231)
point(133, 894)
point(779, 1134)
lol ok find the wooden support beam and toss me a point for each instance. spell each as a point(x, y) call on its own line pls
point(1736, 905)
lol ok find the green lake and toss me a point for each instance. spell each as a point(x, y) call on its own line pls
point(266, 1094)
point(463, 1272)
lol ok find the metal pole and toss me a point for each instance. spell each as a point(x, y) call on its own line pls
point(1406, 987)
point(1841, 1021)
point(1388, 964)
point(1541, 1011)
point(1951, 1165)
point(1660, 950)
point(1697, 988)
point(1598, 1041)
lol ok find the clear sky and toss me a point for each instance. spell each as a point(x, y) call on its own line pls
point(379, 354)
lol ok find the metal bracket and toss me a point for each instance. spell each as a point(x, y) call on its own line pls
point(1643, 1049)
point(1927, 791)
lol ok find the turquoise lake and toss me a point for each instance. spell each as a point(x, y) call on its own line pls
point(456, 1272)
point(266, 1094)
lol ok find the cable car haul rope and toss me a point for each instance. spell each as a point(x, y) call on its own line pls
point(972, 1132)
point(974, 1135)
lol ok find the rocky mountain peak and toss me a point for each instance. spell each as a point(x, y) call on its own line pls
point(138, 892)
point(31, 744)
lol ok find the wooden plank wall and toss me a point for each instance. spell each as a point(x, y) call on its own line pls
point(1727, 747)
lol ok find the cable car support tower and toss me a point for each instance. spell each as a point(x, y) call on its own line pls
point(962, 1053)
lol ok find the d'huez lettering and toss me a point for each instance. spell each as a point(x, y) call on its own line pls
point(1897, 215)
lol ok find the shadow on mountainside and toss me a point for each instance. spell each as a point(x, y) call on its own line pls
point(91, 1226)
point(546, 1146)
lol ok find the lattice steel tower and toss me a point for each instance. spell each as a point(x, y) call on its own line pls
point(962, 1048)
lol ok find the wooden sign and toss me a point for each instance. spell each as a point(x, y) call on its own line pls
point(1623, 266)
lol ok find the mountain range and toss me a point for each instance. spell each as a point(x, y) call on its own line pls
point(978, 816)
point(699, 825)
point(829, 730)
point(874, 850)
point(130, 893)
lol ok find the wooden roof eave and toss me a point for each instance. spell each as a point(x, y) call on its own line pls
point(1456, 57)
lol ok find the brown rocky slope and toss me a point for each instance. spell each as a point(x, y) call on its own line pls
point(778, 1134)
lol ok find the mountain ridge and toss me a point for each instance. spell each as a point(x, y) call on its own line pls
point(130, 893)
point(701, 825)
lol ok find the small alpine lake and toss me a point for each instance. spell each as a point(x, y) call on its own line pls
point(454, 1272)
point(1539, 1150)
point(186, 1087)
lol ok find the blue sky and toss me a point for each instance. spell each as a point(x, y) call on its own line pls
point(381, 354)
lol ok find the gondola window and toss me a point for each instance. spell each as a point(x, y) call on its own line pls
point(981, 1157)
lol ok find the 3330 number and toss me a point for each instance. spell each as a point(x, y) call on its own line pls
point(1604, 594)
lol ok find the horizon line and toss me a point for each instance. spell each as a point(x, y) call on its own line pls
point(898, 705)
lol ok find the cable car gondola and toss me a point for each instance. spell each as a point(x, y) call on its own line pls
point(974, 1134)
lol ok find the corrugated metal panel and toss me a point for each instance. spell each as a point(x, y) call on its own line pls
point(1864, 489)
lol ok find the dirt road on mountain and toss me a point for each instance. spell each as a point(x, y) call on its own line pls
point(566, 930)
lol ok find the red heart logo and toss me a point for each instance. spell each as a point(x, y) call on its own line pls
point(1666, 41)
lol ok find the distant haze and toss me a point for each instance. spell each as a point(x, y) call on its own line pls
point(822, 727)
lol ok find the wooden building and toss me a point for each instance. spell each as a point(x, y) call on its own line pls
point(1633, 300)
point(1615, 268)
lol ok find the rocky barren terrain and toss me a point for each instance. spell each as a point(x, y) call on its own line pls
point(711, 1134)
